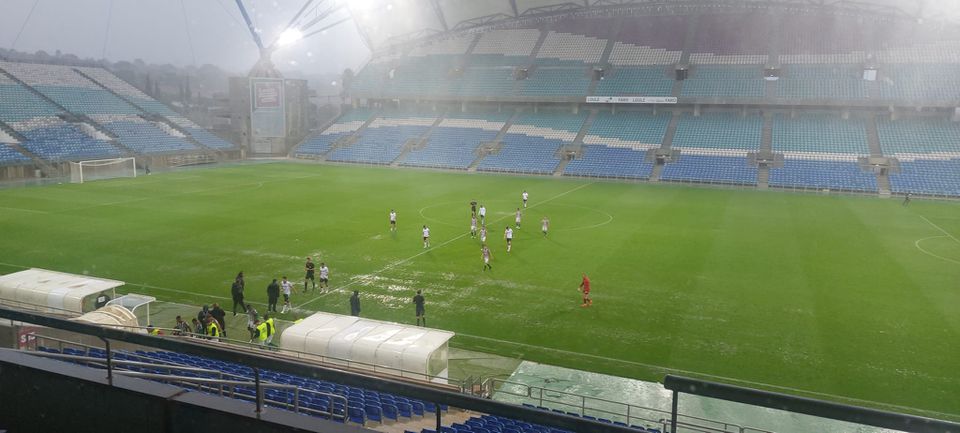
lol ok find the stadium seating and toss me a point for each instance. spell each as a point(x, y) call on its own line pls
point(610, 161)
point(835, 174)
point(927, 82)
point(720, 167)
point(453, 142)
point(628, 129)
point(624, 54)
point(362, 405)
point(56, 140)
point(531, 144)
point(69, 89)
point(518, 42)
point(718, 131)
point(919, 137)
point(383, 140)
point(570, 48)
point(545, 81)
point(492, 81)
point(927, 176)
point(822, 82)
point(814, 134)
point(453, 46)
point(928, 151)
point(319, 144)
point(17, 103)
point(713, 81)
point(636, 81)
point(125, 90)
point(9, 156)
point(143, 136)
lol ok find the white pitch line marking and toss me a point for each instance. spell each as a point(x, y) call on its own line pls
point(19, 209)
point(400, 262)
point(941, 229)
point(917, 244)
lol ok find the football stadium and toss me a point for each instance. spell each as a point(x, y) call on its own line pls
point(483, 216)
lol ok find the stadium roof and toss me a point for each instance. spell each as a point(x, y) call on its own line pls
point(387, 22)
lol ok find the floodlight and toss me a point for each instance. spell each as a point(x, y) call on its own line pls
point(289, 36)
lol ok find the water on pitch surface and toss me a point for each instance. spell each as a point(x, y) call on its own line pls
point(562, 386)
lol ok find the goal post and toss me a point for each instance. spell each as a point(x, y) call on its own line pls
point(99, 169)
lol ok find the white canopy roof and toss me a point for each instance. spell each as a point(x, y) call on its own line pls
point(56, 292)
point(384, 346)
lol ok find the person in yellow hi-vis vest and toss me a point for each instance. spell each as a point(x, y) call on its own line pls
point(213, 328)
point(262, 331)
point(271, 329)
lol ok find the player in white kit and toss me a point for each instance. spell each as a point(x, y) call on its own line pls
point(426, 237)
point(544, 225)
point(525, 197)
point(483, 214)
point(393, 220)
point(508, 235)
point(483, 234)
point(517, 218)
point(286, 286)
point(324, 276)
point(485, 253)
point(473, 226)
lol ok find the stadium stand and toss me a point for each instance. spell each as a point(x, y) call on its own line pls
point(345, 125)
point(546, 81)
point(636, 81)
point(486, 81)
point(144, 136)
point(718, 131)
point(928, 151)
point(69, 89)
point(519, 42)
point(920, 82)
point(453, 46)
point(9, 155)
point(54, 139)
point(532, 142)
point(713, 81)
point(616, 145)
point(565, 48)
point(453, 142)
point(383, 140)
point(362, 405)
point(835, 81)
point(821, 152)
point(125, 90)
point(723, 167)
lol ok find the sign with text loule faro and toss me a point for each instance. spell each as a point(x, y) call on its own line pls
point(631, 100)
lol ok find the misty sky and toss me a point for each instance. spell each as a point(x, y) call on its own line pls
point(156, 31)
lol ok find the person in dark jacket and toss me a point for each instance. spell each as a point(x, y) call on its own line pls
point(273, 293)
point(236, 292)
point(355, 303)
point(219, 315)
point(418, 302)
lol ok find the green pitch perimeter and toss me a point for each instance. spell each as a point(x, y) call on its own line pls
point(830, 296)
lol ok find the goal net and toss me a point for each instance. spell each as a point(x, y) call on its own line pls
point(98, 169)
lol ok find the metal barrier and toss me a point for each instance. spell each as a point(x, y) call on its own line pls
point(803, 405)
point(633, 414)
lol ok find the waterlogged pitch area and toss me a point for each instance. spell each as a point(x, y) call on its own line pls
point(848, 298)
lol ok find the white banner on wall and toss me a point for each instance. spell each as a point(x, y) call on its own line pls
point(631, 100)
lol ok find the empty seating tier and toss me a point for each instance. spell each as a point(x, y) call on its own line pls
point(53, 139)
point(837, 174)
point(143, 136)
point(646, 81)
point(907, 137)
point(716, 168)
point(711, 81)
point(819, 134)
point(822, 82)
point(718, 131)
point(382, 141)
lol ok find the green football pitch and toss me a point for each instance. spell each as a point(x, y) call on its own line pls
point(855, 299)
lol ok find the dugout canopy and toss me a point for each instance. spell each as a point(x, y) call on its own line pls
point(392, 348)
point(56, 292)
point(115, 316)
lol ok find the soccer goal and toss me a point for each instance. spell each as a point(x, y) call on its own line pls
point(98, 169)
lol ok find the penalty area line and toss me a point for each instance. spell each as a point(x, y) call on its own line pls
point(447, 242)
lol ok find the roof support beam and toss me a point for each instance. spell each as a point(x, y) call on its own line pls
point(513, 6)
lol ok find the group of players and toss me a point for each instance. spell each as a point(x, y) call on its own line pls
point(480, 214)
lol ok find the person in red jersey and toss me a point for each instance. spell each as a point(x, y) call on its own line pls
point(585, 288)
